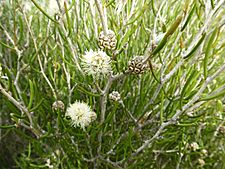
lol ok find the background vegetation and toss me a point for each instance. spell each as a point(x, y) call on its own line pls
point(172, 116)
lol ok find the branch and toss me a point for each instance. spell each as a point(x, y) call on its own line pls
point(23, 110)
point(37, 52)
point(179, 112)
point(16, 103)
point(103, 102)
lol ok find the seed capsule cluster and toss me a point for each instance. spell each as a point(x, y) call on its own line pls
point(107, 41)
point(136, 65)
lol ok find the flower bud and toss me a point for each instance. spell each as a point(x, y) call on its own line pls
point(58, 105)
point(115, 96)
point(194, 146)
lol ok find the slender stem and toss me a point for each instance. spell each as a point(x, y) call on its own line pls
point(102, 14)
point(173, 120)
point(92, 11)
point(67, 73)
point(103, 102)
point(16, 103)
point(38, 56)
point(19, 56)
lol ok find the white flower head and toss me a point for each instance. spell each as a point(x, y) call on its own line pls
point(96, 64)
point(80, 114)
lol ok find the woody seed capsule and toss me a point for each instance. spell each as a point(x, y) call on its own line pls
point(107, 41)
point(137, 65)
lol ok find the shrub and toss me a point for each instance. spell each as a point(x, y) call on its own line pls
point(112, 84)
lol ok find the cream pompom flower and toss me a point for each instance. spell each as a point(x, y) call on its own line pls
point(81, 114)
point(96, 64)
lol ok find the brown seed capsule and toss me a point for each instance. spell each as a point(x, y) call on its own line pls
point(136, 65)
point(107, 41)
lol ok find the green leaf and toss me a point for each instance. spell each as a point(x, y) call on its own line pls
point(5, 45)
point(170, 31)
point(36, 4)
point(34, 108)
point(29, 150)
point(188, 18)
point(207, 52)
point(87, 92)
point(141, 12)
point(214, 96)
point(196, 46)
point(192, 78)
point(162, 108)
point(68, 19)
point(127, 36)
point(7, 127)
point(31, 94)
point(21, 30)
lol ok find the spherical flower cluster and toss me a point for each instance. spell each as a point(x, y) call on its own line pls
point(81, 114)
point(96, 64)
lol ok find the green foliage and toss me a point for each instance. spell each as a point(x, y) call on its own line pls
point(161, 112)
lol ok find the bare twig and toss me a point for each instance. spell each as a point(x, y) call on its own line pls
point(39, 59)
point(19, 56)
point(23, 109)
point(92, 11)
point(179, 112)
point(16, 103)
point(103, 102)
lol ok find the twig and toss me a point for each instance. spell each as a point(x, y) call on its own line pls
point(114, 164)
point(39, 59)
point(90, 150)
point(16, 103)
point(23, 110)
point(102, 14)
point(18, 52)
point(75, 57)
point(67, 73)
point(103, 102)
point(178, 112)
point(92, 11)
